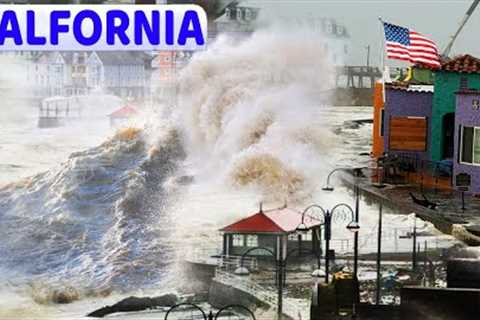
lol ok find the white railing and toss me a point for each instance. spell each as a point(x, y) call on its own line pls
point(233, 262)
point(213, 256)
point(290, 308)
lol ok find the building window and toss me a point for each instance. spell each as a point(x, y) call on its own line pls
point(470, 145)
point(252, 241)
point(307, 236)
point(238, 240)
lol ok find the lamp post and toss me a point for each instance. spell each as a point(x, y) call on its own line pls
point(281, 263)
point(327, 221)
point(210, 315)
point(356, 189)
point(279, 271)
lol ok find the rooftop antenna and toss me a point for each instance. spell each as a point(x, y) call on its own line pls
point(464, 21)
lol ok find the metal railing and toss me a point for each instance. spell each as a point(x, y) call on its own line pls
point(224, 262)
point(401, 168)
point(244, 284)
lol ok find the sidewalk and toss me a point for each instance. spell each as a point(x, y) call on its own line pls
point(448, 217)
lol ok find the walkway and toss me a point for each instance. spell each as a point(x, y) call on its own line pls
point(449, 217)
point(293, 308)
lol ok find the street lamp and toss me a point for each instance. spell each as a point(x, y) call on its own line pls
point(328, 187)
point(280, 271)
point(210, 315)
point(243, 271)
point(327, 218)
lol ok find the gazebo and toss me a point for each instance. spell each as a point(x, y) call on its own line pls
point(122, 115)
point(269, 228)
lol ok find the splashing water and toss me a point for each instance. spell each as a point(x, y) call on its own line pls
point(248, 111)
point(111, 218)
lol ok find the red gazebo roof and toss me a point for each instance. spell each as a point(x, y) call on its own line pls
point(282, 220)
point(124, 112)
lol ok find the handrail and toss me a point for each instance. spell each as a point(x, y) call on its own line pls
point(290, 309)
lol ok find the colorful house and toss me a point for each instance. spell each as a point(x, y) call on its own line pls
point(270, 229)
point(467, 140)
point(407, 116)
point(460, 73)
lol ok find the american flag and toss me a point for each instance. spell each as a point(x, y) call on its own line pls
point(408, 45)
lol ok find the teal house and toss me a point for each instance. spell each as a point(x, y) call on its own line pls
point(458, 74)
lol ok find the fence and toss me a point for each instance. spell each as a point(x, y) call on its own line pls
point(290, 308)
point(223, 262)
point(401, 168)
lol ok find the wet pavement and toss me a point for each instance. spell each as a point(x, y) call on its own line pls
point(448, 217)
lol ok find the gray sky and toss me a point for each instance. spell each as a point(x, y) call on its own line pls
point(437, 19)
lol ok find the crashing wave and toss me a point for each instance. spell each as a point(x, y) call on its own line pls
point(96, 223)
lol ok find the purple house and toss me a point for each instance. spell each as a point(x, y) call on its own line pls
point(466, 167)
point(406, 120)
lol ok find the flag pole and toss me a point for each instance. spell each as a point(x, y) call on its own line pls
point(383, 58)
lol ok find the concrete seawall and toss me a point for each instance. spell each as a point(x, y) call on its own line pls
point(221, 295)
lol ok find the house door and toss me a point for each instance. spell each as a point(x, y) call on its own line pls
point(448, 135)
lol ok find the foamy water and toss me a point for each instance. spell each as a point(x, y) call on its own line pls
point(112, 218)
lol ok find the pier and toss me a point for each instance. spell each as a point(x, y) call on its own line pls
point(54, 111)
point(354, 85)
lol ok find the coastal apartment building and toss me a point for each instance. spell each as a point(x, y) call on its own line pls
point(125, 74)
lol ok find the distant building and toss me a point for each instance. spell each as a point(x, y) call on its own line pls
point(225, 17)
point(166, 66)
point(59, 73)
point(236, 21)
point(335, 35)
point(125, 74)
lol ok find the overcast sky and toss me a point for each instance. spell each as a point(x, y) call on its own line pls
point(437, 19)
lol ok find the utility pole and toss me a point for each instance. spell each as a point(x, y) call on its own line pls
point(368, 55)
point(357, 218)
point(281, 260)
point(414, 253)
point(379, 254)
point(328, 235)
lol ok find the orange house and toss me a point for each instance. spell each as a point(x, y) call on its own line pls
point(378, 112)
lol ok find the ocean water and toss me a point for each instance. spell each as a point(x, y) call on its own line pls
point(97, 214)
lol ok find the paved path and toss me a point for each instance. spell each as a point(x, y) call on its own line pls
point(448, 217)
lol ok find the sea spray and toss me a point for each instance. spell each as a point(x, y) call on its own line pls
point(247, 110)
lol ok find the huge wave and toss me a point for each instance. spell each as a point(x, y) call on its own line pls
point(96, 224)
point(246, 118)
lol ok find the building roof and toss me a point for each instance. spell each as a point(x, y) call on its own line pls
point(281, 220)
point(124, 112)
point(462, 64)
point(122, 57)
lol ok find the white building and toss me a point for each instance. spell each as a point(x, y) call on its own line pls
point(125, 74)
point(333, 34)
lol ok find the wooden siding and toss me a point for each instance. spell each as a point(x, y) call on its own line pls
point(408, 134)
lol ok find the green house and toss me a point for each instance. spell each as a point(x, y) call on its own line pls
point(460, 73)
